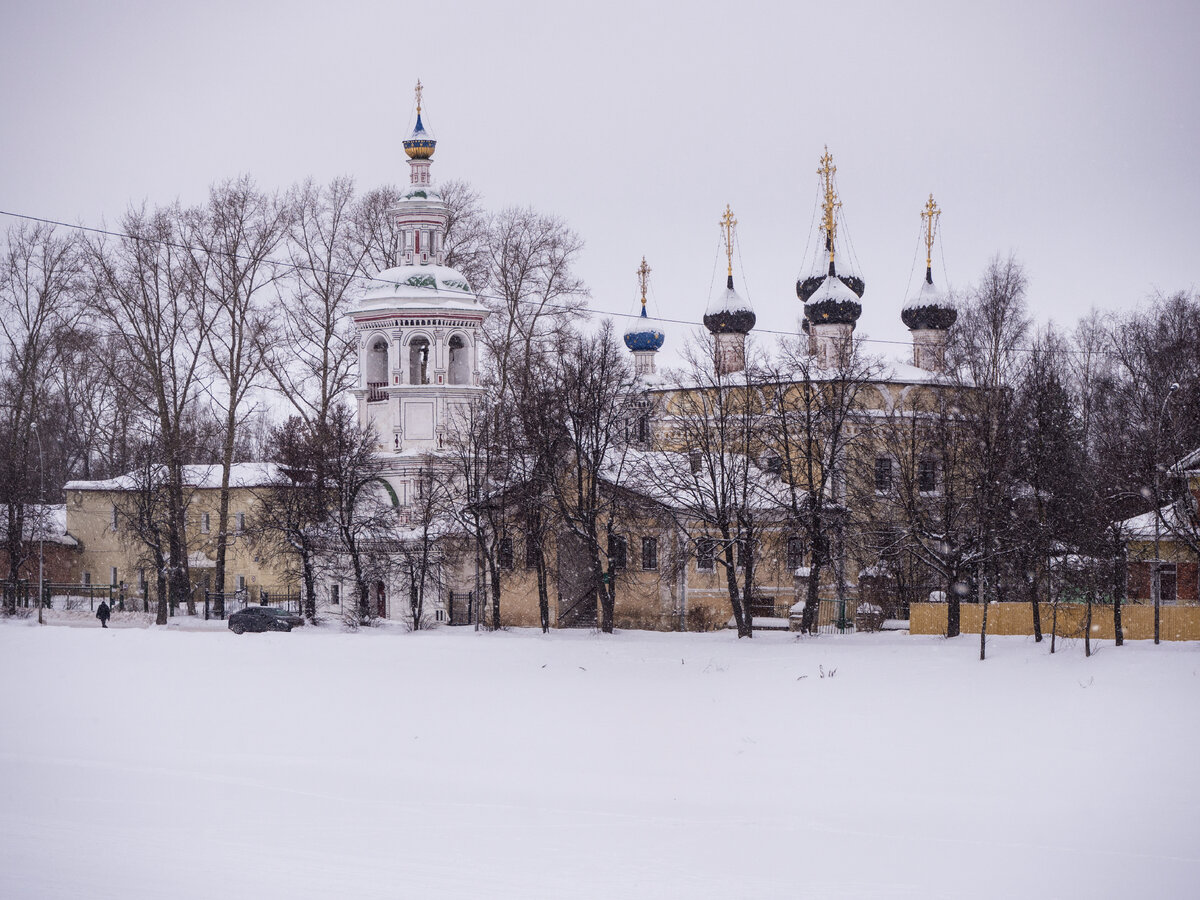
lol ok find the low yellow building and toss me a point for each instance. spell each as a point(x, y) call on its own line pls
point(99, 513)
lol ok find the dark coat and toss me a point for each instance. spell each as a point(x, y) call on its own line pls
point(102, 611)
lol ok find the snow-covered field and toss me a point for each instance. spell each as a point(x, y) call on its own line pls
point(139, 763)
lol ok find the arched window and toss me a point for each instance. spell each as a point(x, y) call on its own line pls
point(460, 361)
point(377, 363)
point(418, 361)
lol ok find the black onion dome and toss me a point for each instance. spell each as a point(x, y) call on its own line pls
point(833, 303)
point(929, 309)
point(807, 286)
point(728, 313)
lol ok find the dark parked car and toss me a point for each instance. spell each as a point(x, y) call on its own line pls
point(263, 618)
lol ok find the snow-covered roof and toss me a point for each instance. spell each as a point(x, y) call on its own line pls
point(241, 475)
point(666, 477)
point(408, 287)
point(1174, 518)
point(1190, 463)
point(44, 522)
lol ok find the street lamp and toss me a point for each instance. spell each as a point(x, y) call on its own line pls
point(1156, 578)
point(42, 528)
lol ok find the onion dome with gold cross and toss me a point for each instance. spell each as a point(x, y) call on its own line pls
point(930, 308)
point(828, 263)
point(645, 333)
point(728, 312)
point(420, 144)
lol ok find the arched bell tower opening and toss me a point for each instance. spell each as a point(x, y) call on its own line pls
point(418, 361)
point(459, 369)
point(376, 363)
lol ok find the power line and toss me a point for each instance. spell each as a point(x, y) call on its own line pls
point(561, 307)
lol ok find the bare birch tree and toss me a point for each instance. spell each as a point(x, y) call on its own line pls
point(148, 293)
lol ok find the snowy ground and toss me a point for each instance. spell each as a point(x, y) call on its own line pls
point(139, 763)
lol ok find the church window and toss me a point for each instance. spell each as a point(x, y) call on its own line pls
point(883, 474)
point(113, 520)
point(506, 553)
point(704, 554)
point(618, 552)
point(239, 523)
point(795, 553)
point(744, 548)
point(204, 523)
point(649, 553)
point(927, 476)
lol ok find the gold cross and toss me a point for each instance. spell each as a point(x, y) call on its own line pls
point(728, 223)
point(643, 274)
point(930, 215)
point(419, 89)
point(831, 202)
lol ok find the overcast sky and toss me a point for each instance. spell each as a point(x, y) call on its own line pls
point(1064, 133)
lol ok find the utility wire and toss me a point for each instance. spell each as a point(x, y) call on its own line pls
point(561, 307)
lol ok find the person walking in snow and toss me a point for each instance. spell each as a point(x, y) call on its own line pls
point(102, 614)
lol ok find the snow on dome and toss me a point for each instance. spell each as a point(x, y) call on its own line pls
point(645, 334)
point(421, 143)
point(418, 286)
point(929, 308)
point(833, 302)
point(728, 312)
point(806, 286)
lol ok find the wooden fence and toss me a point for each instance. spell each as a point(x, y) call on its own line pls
point(1177, 623)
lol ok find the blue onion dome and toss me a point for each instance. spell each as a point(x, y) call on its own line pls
point(644, 334)
point(833, 303)
point(420, 144)
point(728, 313)
point(929, 308)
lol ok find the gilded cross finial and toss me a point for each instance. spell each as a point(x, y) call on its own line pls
point(929, 216)
point(831, 203)
point(728, 223)
point(419, 88)
point(643, 279)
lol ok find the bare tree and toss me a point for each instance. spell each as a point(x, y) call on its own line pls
point(594, 383)
point(308, 348)
point(235, 235)
point(812, 430)
point(362, 522)
point(704, 462)
point(39, 308)
point(535, 293)
point(466, 239)
point(146, 291)
point(295, 506)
